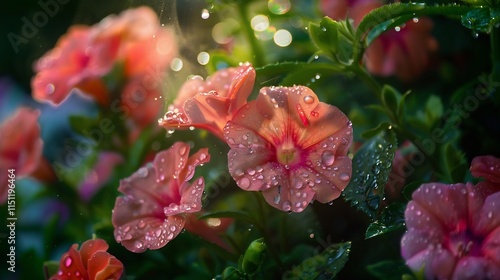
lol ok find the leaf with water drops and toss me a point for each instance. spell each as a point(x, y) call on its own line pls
point(322, 266)
point(392, 218)
point(334, 38)
point(254, 257)
point(482, 19)
point(371, 167)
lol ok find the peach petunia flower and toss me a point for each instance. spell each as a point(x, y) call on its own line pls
point(158, 197)
point(453, 231)
point(291, 147)
point(92, 262)
point(20, 147)
point(133, 41)
point(403, 51)
point(210, 104)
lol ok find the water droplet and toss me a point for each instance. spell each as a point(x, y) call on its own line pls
point(308, 99)
point(344, 177)
point(327, 157)
point(244, 183)
point(68, 261)
point(138, 244)
point(205, 14)
point(50, 88)
point(286, 206)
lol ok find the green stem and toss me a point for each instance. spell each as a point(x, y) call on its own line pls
point(368, 79)
point(258, 52)
point(495, 53)
point(261, 225)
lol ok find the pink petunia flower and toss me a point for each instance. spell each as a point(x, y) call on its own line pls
point(403, 51)
point(210, 104)
point(158, 197)
point(92, 262)
point(133, 40)
point(453, 231)
point(20, 147)
point(291, 147)
point(487, 167)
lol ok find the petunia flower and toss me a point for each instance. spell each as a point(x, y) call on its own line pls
point(133, 42)
point(403, 51)
point(89, 263)
point(210, 104)
point(158, 197)
point(20, 147)
point(487, 167)
point(453, 231)
point(291, 147)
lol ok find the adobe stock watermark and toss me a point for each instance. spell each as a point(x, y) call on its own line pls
point(30, 27)
point(452, 119)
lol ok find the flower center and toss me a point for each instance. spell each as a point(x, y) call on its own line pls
point(288, 155)
point(464, 243)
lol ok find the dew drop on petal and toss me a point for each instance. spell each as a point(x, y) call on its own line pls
point(244, 183)
point(328, 157)
point(344, 177)
point(68, 261)
point(308, 99)
point(138, 244)
point(286, 206)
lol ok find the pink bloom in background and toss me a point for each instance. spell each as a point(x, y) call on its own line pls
point(487, 167)
point(158, 197)
point(82, 57)
point(20, 146)
point(291, 147)
point(99, 175)
point(403, 51)
point(210, 104)
point(91, 262)
point(453, 231)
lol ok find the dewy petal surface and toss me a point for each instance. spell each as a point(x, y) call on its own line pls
point(453, 231)
point(290, 146)
point(210, 104)
point(156, 199)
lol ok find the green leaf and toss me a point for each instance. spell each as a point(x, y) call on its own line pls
point(334, 38)
point(371, 167)
point(481, 19)
point(50, 268)
point(389, 269)
point(81, 123)
point(433, 110)
point(451, 159)
point(387, 15)
point(254, 257)
point(390, 99)
point(323, 266)
point(392, 218)
point(325, 35)
point(375, 131)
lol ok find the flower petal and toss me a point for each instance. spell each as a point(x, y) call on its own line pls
point(103, 266)
point(487, 167)
point(71, 266)
point(476, 268)
point(90, 247)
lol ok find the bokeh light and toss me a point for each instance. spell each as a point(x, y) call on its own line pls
point(176, 64)
point(282, 38)
point(259, 22)
point(203, 58)
point(279, 7)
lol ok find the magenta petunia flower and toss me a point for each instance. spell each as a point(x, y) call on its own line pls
point(291, 147)
point(487, 167)
point(453, 231)
point(90, 262)
point(157, 199)
point(210, 104)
